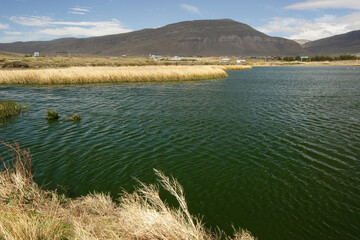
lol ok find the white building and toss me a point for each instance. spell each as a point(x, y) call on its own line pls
point(226, 60)
point(36, 54)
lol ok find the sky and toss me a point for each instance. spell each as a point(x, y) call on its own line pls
point(33, 20)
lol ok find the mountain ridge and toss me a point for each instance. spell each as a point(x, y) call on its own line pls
point(222, 37)
point(347, 43)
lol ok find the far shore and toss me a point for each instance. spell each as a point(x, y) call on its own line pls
point(324, 63)
point(18, 69)
point(21, 61)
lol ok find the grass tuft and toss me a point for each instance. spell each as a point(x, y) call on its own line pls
point(10, 108)
point(29, 212)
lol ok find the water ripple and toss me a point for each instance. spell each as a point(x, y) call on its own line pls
point(273, 150)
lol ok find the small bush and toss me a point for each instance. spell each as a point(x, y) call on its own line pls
point(15, 65)
point(52, 114)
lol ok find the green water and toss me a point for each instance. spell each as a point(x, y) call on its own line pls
point(273, 150)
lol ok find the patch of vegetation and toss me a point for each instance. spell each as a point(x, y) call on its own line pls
point(52, 114)
point(320, 58)
point(16, 64)
point(10, 108)
point(75, 117)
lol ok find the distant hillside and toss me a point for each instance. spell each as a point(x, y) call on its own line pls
point(301, 41)
point(202, 37)
point(336, 45)
point(10, 54)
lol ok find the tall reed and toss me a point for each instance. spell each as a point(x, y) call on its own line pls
point(235, 67)
point(28, 212)
point(9, 108)
point(82, 75)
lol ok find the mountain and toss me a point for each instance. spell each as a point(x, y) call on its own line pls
point(348, 43)
point(301, 41)
point(222, 37)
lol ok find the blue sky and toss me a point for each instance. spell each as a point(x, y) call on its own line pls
point(28, 20)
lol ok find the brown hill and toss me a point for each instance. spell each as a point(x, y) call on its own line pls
point(201, 37)
point(348, 43)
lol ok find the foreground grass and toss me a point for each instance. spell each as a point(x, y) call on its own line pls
point(10, 108)
point(82, 75)
point(28, 212)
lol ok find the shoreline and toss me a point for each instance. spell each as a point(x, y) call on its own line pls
point(306, 64)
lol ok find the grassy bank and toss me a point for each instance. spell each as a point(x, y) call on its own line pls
point(10, 108)
point(83, 75)
point(28, 212)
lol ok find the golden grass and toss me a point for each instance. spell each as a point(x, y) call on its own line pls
point(85, 75)
point(28, 212)
point(235, 67)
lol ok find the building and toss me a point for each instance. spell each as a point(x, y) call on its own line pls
point(36, 54)
point(226, 60)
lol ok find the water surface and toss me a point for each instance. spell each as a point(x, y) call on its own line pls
point(273, 150)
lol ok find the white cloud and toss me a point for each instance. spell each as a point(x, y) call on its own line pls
point(327, 4)
point(113, 23)
point(325, 26)
point(88, 29)
point(35, 21)
point(44, 28)
point(79, 11)
point(190, 8)
point(4, 26)
point(11, 37)
point(12, 33)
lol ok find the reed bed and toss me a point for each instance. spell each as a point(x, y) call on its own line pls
point(10, 108)
point(29, 212)
point(235, 67)
point(86, 75)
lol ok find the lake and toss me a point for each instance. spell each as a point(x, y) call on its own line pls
point(275, 150)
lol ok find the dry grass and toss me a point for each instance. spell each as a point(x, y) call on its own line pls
point(82, 75)
point(235, 67)
point(28, 212)
point(68, 61)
